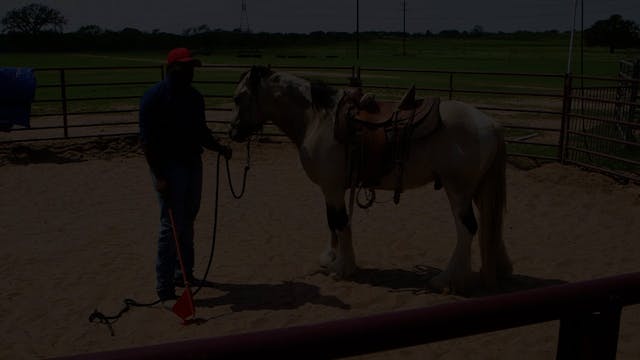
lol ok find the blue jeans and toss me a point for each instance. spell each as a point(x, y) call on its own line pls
point(185, 190)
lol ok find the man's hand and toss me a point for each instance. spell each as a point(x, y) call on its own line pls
point(226, 152)
point(162, 187)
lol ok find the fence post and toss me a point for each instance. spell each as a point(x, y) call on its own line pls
point(161, 72)
point(63, 94)
point(590, 336)
point(635, 83)
point(355, 80)
point(450, 86)
point(566, 117)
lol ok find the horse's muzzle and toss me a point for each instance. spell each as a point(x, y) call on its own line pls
point(236, 136)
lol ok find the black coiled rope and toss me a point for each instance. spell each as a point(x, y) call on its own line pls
point(101, 318)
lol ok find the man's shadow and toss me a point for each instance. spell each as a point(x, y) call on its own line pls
point(287, 295)
point(417, 279)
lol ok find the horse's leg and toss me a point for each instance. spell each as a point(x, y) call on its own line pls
point(341, 248)
point(328, 256)
point(457, 276)
point(490, 200)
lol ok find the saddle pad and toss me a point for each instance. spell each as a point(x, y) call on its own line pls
point(430, 121)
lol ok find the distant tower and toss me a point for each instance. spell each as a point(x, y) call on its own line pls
point(244, 18)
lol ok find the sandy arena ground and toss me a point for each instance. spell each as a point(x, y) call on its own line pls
point(78, 231)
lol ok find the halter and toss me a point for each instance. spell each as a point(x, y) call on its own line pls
point(255, 77)
point(253, 113)
point(252, 123)
point(254, 101)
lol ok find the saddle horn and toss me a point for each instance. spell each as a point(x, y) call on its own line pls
point(408, 101)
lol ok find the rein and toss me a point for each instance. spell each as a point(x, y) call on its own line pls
point(244, 176)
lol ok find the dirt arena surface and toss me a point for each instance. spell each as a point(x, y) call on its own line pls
point(79, 229)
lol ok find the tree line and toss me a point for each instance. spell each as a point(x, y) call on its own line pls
point(37, 27)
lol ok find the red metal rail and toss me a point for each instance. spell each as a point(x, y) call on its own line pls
point(589, 313)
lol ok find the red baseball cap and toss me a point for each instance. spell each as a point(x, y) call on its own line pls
point(182, 55)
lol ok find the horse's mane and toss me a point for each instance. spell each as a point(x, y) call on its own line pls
point(322, 94)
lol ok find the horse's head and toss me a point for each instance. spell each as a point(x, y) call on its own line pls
point(248, 117)
point(264, 95)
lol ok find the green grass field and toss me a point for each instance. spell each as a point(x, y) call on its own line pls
point(542, 56)
point(479, 54)
point(450, 56)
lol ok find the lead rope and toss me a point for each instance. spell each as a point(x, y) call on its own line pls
point(244, 176)
point(216, 202)
point(101, 318)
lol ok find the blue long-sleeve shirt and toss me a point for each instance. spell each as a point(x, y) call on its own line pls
point(172, 124)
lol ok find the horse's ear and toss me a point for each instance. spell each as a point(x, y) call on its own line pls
point(257, 74)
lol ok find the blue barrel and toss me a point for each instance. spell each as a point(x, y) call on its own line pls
point(17, 90)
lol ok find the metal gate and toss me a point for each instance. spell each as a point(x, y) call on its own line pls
point(603, 123)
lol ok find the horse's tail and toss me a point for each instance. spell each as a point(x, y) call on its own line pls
point(491, 201)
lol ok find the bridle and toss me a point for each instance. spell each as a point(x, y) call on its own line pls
point(254, 101)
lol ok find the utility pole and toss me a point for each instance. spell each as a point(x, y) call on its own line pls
point(582, 43)
point(244, 18)
point(357, 29)
point(404, 27)
point(573, 31)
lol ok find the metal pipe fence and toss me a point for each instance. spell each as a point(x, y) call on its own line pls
point(603, 126)
point(508, 97)
point(545, 116)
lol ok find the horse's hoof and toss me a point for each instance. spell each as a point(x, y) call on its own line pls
point(441, 283)
point(446, 284)
point(348, 273)
point(505, 270)
point(327, 258)
point(342, 270)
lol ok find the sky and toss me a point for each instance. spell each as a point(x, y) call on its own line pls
point(333, 15)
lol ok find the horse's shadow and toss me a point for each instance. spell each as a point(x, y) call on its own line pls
point(287, 295)
point(519, 282)
point(417, 279)
point(414, 280)
point(293, 294)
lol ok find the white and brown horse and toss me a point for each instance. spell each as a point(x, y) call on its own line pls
point(467, 152)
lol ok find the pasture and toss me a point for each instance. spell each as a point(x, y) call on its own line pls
point(543, 55)
point(487, 72)
point(536, 55)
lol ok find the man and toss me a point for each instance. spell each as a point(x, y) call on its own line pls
point(172, 133)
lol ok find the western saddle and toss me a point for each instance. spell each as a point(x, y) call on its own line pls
point(379, 133)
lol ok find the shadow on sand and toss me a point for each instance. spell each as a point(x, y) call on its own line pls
point(294, 294)
point(288, 295)
point(417, 279)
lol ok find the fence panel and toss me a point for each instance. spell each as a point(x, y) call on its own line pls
point(88, 101)
point(595, 125)
point(603, 128)
point(528, 106)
